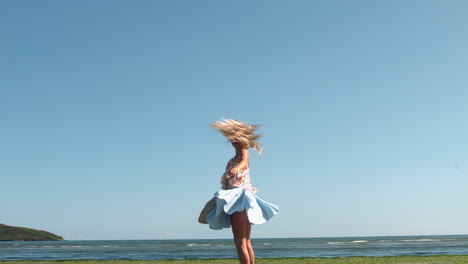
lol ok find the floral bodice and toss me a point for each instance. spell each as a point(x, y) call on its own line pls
point(241, 180)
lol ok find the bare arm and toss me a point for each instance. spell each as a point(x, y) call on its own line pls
point(242, 164)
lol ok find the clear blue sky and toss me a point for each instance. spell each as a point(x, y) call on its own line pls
point(105, 107)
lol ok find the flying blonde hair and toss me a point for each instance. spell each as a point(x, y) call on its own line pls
point(240, 132)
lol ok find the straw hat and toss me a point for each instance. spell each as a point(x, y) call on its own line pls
point(208, 207)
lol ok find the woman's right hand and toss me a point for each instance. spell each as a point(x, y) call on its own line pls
point(234, 171)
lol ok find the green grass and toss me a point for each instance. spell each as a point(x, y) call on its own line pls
point(351, 260)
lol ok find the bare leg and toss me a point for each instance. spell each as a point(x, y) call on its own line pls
point(241, 231)
point(249, 243)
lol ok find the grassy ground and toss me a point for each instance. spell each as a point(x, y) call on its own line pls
point(352, 260)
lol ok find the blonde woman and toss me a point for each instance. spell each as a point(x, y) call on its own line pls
point(236, 205)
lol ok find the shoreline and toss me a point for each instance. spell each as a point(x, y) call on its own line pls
point(402, 259)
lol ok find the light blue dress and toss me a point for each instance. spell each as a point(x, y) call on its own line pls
point(237, 195)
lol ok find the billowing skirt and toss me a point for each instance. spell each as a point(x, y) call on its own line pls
point(238, 200)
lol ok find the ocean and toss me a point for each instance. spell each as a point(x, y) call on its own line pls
point(328, 247)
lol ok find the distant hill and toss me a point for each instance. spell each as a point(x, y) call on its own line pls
point(13, 233)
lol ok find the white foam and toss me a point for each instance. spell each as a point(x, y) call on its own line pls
point(422, 240)
point(343, 242)
point(360, 241)
point(71, 246)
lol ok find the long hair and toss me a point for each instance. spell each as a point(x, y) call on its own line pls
point(240, 132)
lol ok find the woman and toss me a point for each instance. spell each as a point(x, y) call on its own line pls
point(236, 205)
